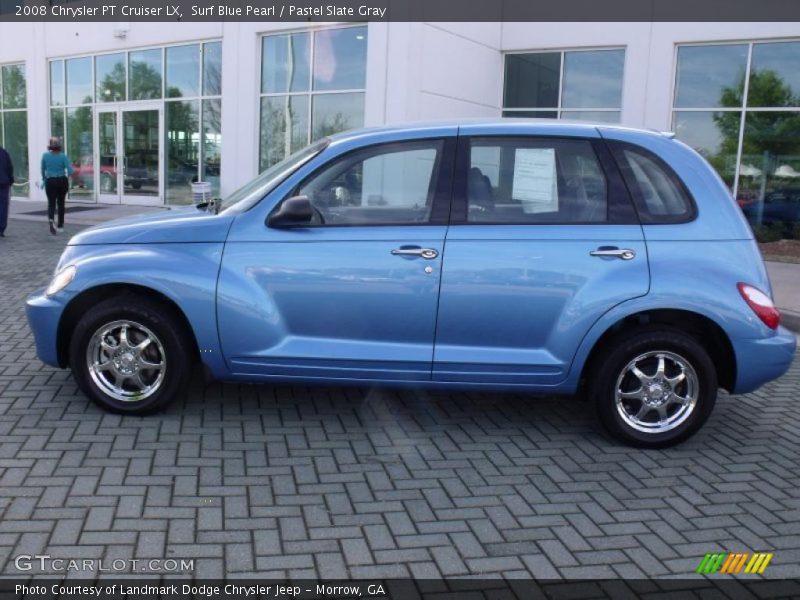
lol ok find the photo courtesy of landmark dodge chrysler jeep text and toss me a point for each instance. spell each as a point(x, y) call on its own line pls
point(526, 256)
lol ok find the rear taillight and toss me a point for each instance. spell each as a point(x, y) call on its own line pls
point(761, 304)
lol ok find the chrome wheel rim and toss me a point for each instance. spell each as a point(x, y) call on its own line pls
point(126, 361)
point(656, 392)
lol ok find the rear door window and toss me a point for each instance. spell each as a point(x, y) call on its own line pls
point(658, 193)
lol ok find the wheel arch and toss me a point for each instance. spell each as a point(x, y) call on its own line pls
point(704, 329)
point(91, 296)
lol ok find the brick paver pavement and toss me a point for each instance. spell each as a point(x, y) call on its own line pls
point(303, 482)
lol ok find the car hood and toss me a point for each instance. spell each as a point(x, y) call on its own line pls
point(186, 224)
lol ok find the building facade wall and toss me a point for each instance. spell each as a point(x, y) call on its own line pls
point(415, 71)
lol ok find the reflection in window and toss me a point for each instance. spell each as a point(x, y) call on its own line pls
point(110, 77)
point(183, 149)
point(137, 75)
point(183, 71)
point(212, 143)
point(764, 169)
point(14, 124)
point(300, 102)
point(284, 127)
point(212, 69)
point(144, 75)
point(580, 85)
point(79, 81)
point(80, 150)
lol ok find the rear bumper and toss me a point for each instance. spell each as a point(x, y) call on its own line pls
point(44, 315)
point(762, 360)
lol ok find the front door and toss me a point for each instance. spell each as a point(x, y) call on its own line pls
point(354, 295)
point(543, 242)
point(129, 155)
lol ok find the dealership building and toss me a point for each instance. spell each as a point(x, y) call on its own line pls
point(147, 108)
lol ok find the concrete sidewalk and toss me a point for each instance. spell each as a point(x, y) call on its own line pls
point(785, 277)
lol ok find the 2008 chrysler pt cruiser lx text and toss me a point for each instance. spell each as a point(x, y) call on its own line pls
point(539, 257)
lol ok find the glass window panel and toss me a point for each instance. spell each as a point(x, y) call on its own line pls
point(15, 131)
point(140, 150)
point(513, 181)
point(14, 86)
point(377, 186)
point(79, 81)
point(593, 79)
point(658, 197)
point(284, 127)
point(80, 150)
point(532, 80)
point(144, 75)
point(212, 69)
point(212, 143)
point(57, 83)
point(285, 63)
point(183, 149)
point(109, 72)
point(340, 59)
point(183, 71)
point(107, 150)
point(332, 113)
point(715, 135)
point(530, 114)
point(710, 76)
point(775, 75)
point(769, 173)
point(57, 123)
point(595, 116)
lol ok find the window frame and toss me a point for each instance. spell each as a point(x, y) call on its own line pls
point(617, 149)
point(442, 174)
point(309, 93)
point(562, 113)
point(743, 109)
point(620, 207)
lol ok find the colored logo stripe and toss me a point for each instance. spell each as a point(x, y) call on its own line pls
point(731, 563)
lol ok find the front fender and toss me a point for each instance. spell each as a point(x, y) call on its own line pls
point(184, 273)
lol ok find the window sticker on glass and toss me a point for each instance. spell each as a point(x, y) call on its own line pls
point(535, 184)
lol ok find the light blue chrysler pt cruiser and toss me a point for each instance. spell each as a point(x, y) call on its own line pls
point(537, 257)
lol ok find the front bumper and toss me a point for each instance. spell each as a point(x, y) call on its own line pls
point(762, 360)
point(44, 315)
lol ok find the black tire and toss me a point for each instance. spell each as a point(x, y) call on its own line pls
point(612, 363)
point(171, 340)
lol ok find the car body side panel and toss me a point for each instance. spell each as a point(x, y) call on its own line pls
point(517, 300)
point(184, 273)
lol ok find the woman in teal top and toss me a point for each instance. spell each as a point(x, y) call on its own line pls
point(56, 168)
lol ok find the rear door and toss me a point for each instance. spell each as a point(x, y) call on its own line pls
point(543, 241)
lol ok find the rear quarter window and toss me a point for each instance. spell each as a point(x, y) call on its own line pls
point(658, 193)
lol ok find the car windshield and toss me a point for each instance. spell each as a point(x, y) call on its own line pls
point(252, 192)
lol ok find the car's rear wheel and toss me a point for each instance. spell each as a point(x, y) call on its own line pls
point(654, 388)
point(128, 354)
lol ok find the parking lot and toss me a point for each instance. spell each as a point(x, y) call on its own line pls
point(340, 483)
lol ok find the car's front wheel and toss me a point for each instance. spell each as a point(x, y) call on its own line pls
point(128, 354)
point(654, 388)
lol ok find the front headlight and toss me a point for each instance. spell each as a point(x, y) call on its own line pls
point(61, 280)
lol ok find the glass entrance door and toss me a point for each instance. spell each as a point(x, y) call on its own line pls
point(129, 156)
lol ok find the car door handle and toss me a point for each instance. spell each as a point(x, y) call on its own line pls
point(623, 253)
point(428, 253)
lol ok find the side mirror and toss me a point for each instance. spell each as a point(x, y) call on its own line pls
point(293, 212)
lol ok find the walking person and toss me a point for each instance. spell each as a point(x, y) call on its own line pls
point(6, 181)
point(56, 169)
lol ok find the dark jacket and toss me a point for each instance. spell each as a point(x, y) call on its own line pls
point(6, 169)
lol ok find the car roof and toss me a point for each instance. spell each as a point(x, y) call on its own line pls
point(514, 126)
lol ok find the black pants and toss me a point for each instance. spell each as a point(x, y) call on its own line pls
point(56, 189)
